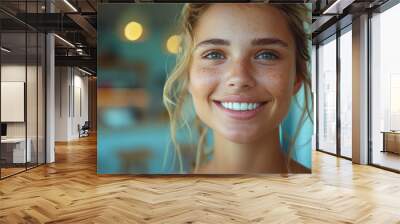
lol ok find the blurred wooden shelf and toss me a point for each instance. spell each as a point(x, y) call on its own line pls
point(122, 97)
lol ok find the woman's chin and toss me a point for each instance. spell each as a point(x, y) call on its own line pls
point(241, 137)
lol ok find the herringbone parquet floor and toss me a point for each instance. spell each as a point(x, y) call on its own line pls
point(70, 191)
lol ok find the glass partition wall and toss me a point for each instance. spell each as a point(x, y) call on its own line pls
point(13, 109)
point(345, 61)
point(327, 95)
point(334, 93)
point(385, 89)
point(22, 88)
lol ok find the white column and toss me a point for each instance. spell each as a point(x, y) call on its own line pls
point(360, 90)
point(50, 93)
point(62, 103)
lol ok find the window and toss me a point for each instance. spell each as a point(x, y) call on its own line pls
point(327, 96)
point(22, 76)
point(385, 89)
point(346, 93)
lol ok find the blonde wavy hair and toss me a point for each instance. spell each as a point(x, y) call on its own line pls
point(175, 92)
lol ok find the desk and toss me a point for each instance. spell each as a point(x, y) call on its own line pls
point(391, 141)
point(17, 150)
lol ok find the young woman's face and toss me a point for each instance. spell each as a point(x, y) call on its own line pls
point(243, 70)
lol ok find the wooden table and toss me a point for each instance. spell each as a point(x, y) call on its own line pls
point(391, 141)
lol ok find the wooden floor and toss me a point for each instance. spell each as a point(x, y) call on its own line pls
point(5, 172)
point(10, 171)
point(70, 191)
point(387, 159)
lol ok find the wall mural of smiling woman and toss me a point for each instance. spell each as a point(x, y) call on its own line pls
point(241, 65)
point(225, 90)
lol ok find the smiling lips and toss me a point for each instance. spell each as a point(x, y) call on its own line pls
point(238, 106)
point(240, 109)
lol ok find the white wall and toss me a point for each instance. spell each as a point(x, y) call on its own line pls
point(10, 73)
point(61, 103)
point(13, 73)
point(71, 93)
point(79, 115)
point(16, 73)
point(33, 126)
point(13, 101)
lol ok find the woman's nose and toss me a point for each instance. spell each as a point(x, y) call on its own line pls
point(240, 76)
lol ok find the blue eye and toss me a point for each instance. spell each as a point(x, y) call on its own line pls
point(214, 55)
point(265, 55)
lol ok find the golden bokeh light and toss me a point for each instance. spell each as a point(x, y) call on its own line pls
point(173, 44)
point(133, 31)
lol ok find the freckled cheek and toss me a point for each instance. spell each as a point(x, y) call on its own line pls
point(277, 84)
point(203, 81)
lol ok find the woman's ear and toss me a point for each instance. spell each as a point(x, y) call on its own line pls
point(297, 84)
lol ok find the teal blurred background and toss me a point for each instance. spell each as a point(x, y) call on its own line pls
point(133, 125)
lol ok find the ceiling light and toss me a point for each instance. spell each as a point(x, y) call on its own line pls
point(86, 72)
point(338, 6)
point(5, 49)
point(331, 7)
point(70, 5)
point(65, 41)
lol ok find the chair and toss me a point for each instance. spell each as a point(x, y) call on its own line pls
point(84, 130)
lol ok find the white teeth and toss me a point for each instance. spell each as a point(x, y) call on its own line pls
point(240, 106)
point(236, 106)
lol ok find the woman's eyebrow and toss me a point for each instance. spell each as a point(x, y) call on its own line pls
point(269, 41)
point(213, 41)
point(257, 41)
